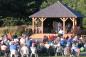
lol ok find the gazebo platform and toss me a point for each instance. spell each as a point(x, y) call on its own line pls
point(41, 36)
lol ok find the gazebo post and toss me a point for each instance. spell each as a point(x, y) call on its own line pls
point(74, 23)
point(64, 20)
point(73, 20)
point(33, 24)
point(42, 20)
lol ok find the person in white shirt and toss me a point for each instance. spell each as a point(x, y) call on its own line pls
point(75, 39)
point(33, 51)
point(4, 49)
point(59, 50)
point(74, 50)
point(61, 31)
point(24, 51)
point(47, 45)
point(22, 41)
point(85, 45)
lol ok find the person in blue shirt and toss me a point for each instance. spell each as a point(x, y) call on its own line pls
point(13, 46)
point(70, 41)
point(13, 49)
point(63, 42)
point(27, 42)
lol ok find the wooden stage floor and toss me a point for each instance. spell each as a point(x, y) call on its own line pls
point(36, 36)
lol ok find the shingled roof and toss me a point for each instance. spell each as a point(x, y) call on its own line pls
point(56, 10)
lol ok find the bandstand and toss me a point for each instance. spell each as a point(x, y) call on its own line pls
point(54, 12)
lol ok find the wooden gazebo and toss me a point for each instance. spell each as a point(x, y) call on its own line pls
point(57, 10)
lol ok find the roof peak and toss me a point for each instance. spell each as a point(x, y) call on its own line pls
point(58, 9)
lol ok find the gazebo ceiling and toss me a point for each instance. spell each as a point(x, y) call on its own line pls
point(56, 10)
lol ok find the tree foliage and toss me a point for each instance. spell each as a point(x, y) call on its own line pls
point(19, 10)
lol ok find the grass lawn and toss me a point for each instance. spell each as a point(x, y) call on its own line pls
point(58, 56)
point(51, 56)
point(61, 56)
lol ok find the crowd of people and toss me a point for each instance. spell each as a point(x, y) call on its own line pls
point(50, 45)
